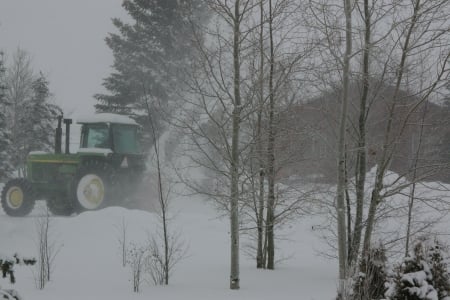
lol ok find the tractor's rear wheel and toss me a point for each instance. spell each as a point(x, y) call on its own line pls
point(18, 197)
point(59, 205)
point(92, 185)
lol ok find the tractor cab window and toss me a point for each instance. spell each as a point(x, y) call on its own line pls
point(125, 138)
point(95, 136)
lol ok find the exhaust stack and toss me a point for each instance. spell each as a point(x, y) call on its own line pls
point(67, 122)
point(58, 136)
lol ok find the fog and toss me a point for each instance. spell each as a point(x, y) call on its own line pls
point(65, 39)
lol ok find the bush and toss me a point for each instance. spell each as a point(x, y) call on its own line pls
point(7, 270)
point(423, 275)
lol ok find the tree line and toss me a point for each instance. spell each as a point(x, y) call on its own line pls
point(27, 113)
point(228, 74)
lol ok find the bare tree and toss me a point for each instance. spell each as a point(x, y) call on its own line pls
point(136, 259)
point(47, 249)
point(259, 205)
point(340, 195)
point(417, 35)
point(235, 160)
point(19, 83)
point(387, 76)
point(361, 152)
point(122, 239)
point(276, 69)
point(217, 108)
point(161, 264)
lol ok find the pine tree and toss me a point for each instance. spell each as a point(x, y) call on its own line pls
point(38, 118)
point(149, 57)
point(437, 259)
point(424, 275)
point(5, 135)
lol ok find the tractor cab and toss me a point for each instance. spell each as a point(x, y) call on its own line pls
point(114, 135)
point(109, 131)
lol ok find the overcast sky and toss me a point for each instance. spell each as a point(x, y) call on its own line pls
point(66, 41)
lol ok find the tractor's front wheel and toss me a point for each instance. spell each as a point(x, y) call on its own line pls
point(18, 197)
point(92, 185)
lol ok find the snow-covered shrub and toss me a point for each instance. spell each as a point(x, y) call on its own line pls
point(7, 270)
point(150, 263)
point(438, 255)
point(370, 281)
point(423, 275)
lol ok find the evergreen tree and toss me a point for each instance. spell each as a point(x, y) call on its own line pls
point(38, 119)
point(5, 135)
point(437, 260)
point(424, 275)
point(149, 57)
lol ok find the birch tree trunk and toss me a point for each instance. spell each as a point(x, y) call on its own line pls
point(340, 197)
point(413, 179)
point(260, 262)
point(271, 156)
point(234, 199)
point(361, 162)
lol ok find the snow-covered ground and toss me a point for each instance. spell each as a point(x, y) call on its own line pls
point(88, 264)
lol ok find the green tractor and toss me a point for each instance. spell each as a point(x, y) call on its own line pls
point(105, 170)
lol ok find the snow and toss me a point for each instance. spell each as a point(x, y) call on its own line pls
point(38, 153)
point(88, 264)
point(415, 278)
point(106, 118)
point(103, 151)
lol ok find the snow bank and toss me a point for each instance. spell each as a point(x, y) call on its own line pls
point(88, 264)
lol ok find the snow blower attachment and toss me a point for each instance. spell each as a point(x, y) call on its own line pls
point(108, 154)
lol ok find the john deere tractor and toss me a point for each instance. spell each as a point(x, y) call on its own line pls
point(103, 172)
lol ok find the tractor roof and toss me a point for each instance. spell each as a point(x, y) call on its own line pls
point(106, 118)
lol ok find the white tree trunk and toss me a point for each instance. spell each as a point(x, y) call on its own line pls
point(234, 195)
point(361, 161)
point(342, 233)
point(271, 155)
point(260, 262)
